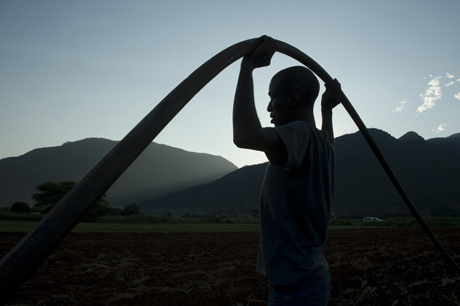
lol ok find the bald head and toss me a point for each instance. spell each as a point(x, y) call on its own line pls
point(300, 80)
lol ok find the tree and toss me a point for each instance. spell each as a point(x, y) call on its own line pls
point(20, 207)
point(50, 193)
point(131, 209)
point(101, 208)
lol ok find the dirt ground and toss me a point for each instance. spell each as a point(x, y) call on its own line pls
point(368, 266)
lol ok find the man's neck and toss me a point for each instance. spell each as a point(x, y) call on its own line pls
point(307, 117)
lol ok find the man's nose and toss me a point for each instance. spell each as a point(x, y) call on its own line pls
point(269, 107)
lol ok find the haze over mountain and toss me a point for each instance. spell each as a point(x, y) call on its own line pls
point(427, 169)
point(158, 170)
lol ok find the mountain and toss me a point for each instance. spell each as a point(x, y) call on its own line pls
point(236, 192)
point(427, 169)
point(158, 170)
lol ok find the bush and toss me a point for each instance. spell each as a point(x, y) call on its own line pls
point(20, 208)
point(131, 209)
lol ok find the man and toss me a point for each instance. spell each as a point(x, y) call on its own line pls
point(298, 189)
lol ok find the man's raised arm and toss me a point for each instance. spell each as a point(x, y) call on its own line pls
point(247, 130)
point(330, 99)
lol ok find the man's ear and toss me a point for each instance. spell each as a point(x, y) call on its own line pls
point(295, 99)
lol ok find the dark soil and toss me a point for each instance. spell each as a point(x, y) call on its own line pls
point(368, 266)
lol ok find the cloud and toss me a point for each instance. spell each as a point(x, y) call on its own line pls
point(401, 106)
point(440, 128)
point(449, 76)
point(457, 96)
point(449, 84)
point(458, 80)
point(432, 94)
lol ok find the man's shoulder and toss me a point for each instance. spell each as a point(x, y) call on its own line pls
point(300, 126)
point(307, 129)
point(293, 128)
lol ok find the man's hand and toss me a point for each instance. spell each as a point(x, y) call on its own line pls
point(332, 96)
point(263, 54)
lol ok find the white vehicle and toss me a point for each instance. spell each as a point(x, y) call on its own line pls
point(372, 219)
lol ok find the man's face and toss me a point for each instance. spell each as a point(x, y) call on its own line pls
point(279, 106)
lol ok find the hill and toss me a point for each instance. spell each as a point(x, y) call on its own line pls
point(234, 193)
point(158, 170)
point(427, 169)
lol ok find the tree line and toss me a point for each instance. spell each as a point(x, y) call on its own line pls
point(50, 193)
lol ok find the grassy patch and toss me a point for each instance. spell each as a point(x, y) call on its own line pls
point(176, 219)
point(16, 226)
point(26, 226)
point(434, 222)
point(453, 222)
point(20, 217)
point(165, 227)
point(172, 224)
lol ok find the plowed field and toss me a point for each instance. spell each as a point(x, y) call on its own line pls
point(368, 266)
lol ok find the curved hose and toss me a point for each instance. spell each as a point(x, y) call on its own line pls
point(35, 247)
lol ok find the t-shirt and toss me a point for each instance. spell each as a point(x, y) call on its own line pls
point(296, 206)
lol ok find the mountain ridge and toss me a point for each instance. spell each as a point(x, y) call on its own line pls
point(158, 170)
point(427, 169)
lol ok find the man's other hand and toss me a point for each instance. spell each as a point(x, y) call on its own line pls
point(332, 96)
point(263, 54)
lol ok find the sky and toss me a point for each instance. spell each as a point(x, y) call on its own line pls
point(71, 70)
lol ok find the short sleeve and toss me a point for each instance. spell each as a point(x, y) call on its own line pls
point(295, 136)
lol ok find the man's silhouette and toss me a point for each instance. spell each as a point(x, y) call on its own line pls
point(298, 190)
